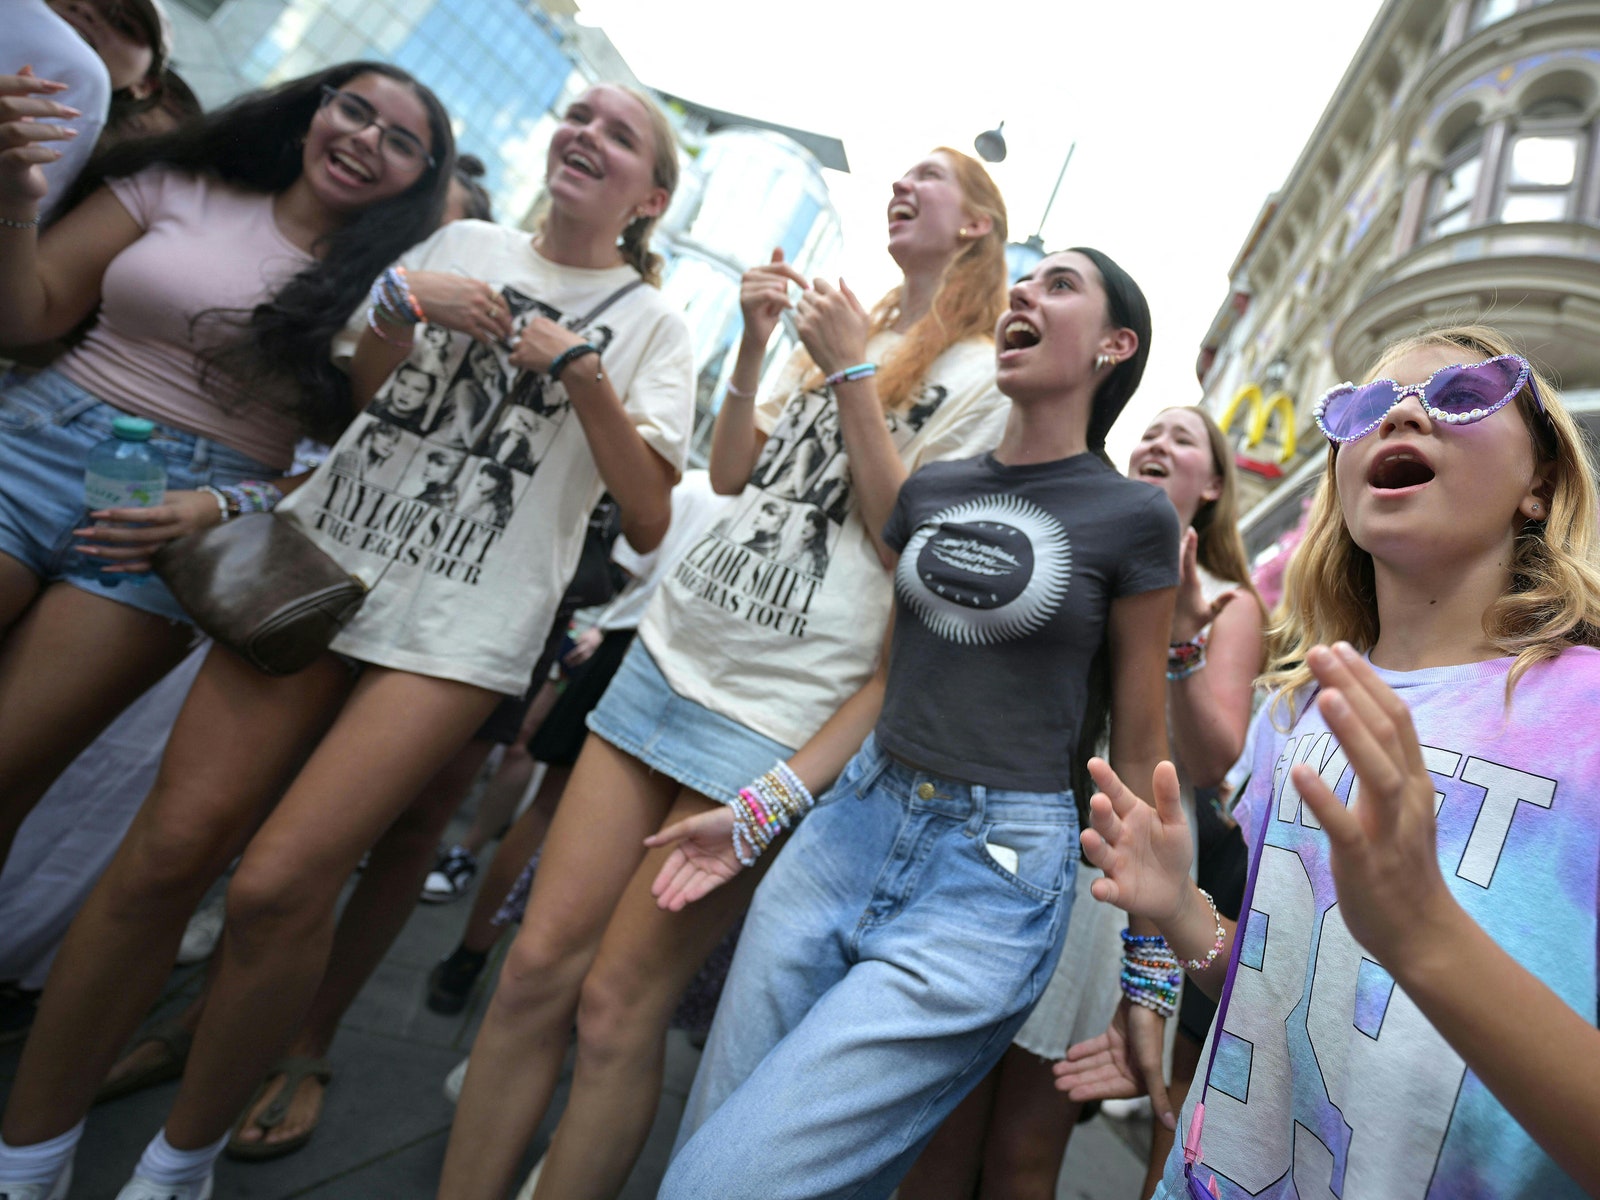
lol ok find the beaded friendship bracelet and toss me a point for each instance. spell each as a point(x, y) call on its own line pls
point(851, 374)
point(771, 804)
point(1185, 658)
point(393, 304)
point(11, 223)
point(1200, 964)
point(1150, 974)
point(223, 512)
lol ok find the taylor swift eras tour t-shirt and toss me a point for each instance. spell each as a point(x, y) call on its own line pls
point(1329, 1081)
point(1005, 580)
point(460, 496)
point(775, 617)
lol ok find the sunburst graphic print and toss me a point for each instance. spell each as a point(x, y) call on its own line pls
point(986, 571)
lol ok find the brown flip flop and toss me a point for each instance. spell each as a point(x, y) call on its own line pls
point(170, 1035)
point(295, 1070)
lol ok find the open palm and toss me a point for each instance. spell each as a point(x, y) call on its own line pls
point(702, 858)
point(1143, 849)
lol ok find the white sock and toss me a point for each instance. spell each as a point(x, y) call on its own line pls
point(162, 1163)
point(41, 1162)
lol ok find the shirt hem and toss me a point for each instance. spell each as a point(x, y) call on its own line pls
point(429, 665)
point(942, 764)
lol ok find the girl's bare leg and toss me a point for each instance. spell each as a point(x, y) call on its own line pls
point(524, 837)
point(383, 900)
point(238, 735)
point(499, 801)
point(1028, 1130)
point(646, 960)
point(596, 842)
point(68, 666)
point(394, 733)
point(950, 1163)
point(18, 587)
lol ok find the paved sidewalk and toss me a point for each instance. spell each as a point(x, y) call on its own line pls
point(386, 1120)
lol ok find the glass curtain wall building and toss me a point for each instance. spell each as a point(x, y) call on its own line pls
point(503, 68)
point(498, 65)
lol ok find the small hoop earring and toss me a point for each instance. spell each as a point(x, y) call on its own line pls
point(1102, 361)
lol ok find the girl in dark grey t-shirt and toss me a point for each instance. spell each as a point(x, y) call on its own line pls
point(891, 954)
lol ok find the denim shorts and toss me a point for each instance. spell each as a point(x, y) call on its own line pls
point(48, 425)
point(890, 954)
point(641, 715)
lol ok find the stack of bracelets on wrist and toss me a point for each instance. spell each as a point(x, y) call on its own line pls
point(1150, 974)
point(1200, 964)
point(765, 809)
point(246, 496)
point(394, 305)
point(569, 355)
point(851, 374)
point(1185, 658)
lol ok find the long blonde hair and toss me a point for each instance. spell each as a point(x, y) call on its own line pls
point(969, 302)
point(1554, 598)
point(635, 243)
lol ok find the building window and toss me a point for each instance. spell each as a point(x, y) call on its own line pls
point(1543, 161)
point(1487, 12)
point(1450, 207)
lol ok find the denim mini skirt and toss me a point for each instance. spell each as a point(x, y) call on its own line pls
point(48, 425)
point(641, 715)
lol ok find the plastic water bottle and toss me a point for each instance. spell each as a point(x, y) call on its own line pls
point(122, 472)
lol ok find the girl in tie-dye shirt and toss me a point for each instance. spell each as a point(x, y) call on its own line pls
point(1413, 1009)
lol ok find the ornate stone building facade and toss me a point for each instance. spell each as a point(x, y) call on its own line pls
point(1455, 175)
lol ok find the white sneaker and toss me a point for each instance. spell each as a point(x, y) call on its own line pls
point(454, 1080)
point(204, 931)
point(451, 876)
point(140, 1188)
point(39, 1191)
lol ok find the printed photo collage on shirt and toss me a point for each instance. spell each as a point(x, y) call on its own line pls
point(457, 426)
point(803, 477)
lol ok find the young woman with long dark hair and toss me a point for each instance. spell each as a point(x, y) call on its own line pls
point(230, 251)
point(738, 660)
point(456, 614)
point(1006, 1140)
point(895, 947)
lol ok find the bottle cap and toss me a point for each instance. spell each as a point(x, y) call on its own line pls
point(133, 429)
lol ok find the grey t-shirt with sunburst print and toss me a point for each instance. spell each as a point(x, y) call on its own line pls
point(1002, 592)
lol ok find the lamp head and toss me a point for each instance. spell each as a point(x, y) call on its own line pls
point(991, 144)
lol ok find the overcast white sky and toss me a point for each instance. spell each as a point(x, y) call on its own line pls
point(1186, 114)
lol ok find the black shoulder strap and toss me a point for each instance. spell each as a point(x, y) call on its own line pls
point(604, 304)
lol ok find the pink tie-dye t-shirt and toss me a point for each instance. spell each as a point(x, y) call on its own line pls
point(1328, 1079)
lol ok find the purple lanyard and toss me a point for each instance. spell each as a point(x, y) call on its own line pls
point(1191, 1143)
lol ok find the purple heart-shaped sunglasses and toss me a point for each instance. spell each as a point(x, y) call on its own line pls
point(1455, 395)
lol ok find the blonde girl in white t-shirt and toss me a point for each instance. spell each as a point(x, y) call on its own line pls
point(740, 660)
point(369, 742)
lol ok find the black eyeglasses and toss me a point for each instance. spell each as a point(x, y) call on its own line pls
point(349, 113)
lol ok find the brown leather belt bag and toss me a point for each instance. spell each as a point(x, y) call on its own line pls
point(262, 588)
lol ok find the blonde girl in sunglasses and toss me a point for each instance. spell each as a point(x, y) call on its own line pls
point(1408, 1007)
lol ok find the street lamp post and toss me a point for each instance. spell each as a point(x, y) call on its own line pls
point(1020, 256)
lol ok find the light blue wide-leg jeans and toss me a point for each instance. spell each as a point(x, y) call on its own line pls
point(889, 956)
